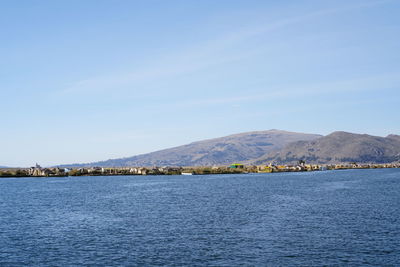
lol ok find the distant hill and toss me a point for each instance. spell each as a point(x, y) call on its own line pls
point(219, 151)
point(338, 147)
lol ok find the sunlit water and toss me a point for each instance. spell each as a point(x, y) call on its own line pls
point(320, 218)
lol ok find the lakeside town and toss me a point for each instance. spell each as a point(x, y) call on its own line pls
point(236, 168)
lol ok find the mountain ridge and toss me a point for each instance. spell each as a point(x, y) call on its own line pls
point(238, 147)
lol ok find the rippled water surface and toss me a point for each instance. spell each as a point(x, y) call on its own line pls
point(321, 218)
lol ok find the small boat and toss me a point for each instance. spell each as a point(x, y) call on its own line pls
point(187, 173)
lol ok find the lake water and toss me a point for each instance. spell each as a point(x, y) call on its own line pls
point(330, 218)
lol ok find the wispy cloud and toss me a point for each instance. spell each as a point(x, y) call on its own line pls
point(378, 82)
point(209, 53)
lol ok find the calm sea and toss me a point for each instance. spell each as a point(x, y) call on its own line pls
point(332, 218)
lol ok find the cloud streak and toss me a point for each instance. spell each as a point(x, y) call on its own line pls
point(209, 53)
point(365, 84)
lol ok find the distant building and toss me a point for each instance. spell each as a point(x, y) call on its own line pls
point(236, 166)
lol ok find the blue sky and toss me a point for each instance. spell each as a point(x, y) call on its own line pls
point(82, 81)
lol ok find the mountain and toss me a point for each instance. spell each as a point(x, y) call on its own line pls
point(338, 147)
point(219, 151)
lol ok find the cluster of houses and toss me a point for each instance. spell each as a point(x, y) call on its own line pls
point(36, 171)
point(313, 167)
point(93, 171)
point(39, 171)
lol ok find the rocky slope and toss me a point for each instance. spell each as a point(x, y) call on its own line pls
point(338, 147)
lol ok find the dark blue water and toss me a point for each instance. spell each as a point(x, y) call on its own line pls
point(320, 218)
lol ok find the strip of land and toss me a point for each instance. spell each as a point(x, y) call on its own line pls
point(232, 169)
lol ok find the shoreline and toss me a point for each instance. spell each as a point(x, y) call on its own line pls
point(199, 170)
